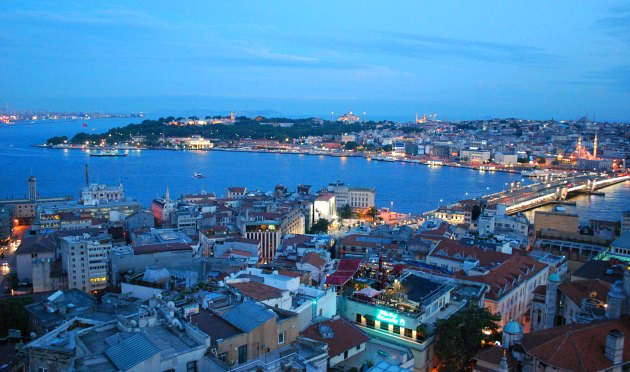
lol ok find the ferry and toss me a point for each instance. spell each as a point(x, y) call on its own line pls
point(107, 153)
point(197, 175)
point(489, 168)
point(434, 163)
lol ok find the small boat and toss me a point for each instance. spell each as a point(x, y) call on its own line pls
point(107, 153)
point(197, 175)
point(434, 163)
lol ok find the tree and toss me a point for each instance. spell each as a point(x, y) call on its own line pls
point(373, 212)
point(345, 212)
point(351, 145)
point(462, 335)
point(541, 160)
point(320, 227)
point(57, 140)
point(523, 160)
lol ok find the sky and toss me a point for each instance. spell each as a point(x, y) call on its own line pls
point(390, 59)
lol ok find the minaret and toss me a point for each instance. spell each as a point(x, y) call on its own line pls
point(578, 149)
point(167, 196)
point(595, 146)
point(32, 188)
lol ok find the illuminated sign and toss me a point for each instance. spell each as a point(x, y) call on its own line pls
point(389, 317)
point(191, 309)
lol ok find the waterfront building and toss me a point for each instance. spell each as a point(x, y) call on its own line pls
point(475, 155)
point(85, 260)
point(95, 193)
point(559, 221)
point(506, 159)
point(236, 192)
point(356, 197)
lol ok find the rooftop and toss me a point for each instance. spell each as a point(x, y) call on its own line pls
point(339, 334)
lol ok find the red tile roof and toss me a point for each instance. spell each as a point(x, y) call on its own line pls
point(582, 289)
point(460, 252)
point(507, 276)
point(313, 259)
point(576, 347)
point(257, 291)
point(345, 336)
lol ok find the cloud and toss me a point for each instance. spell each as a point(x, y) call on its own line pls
point(616, 25)
point(418, 46)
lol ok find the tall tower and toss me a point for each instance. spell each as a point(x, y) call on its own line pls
point(551, 298)
point(595, 146)
point(32, 188)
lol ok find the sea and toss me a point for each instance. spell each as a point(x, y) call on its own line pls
point(403, 187)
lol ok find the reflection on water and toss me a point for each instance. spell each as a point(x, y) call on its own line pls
point(413, 188)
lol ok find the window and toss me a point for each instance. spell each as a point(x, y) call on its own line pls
point(223, 357)
point(408, 332)
point(385, 326)
point(191, 366)
point(242, 354)
point(281, 338)
point(358, 319)
point(42, 369)
point(396, 329)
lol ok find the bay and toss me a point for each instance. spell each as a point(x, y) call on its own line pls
point(409, 188)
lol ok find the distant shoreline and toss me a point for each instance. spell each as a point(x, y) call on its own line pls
point(309, 153)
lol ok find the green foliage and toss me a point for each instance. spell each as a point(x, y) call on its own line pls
point(319, 227)
point(460, 337)
point(351, 145)
point(244, 127)
point(373, 212)
point(523, 160)
point(57, 140)
point(345, 212)
point(388, 148)
point(541, 160)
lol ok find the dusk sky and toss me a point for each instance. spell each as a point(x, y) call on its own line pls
point(460, 59)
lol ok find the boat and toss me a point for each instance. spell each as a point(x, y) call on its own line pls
point(197, 175)
point(434, 163)
point(489, 168)
point(107, 153)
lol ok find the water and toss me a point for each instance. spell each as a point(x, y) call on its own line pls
point(410, 188)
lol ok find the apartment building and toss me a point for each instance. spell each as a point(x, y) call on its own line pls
point(85, 260)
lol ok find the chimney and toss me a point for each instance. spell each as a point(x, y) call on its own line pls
point(614, 347)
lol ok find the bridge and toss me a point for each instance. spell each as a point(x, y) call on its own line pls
point(519, 199)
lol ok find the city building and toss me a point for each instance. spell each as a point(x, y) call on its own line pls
point(559, 221)
point(344, 340)
point(355, 197)
point(85, 259)
point(511, 285)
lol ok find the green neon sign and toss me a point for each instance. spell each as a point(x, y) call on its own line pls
point(389, 317)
